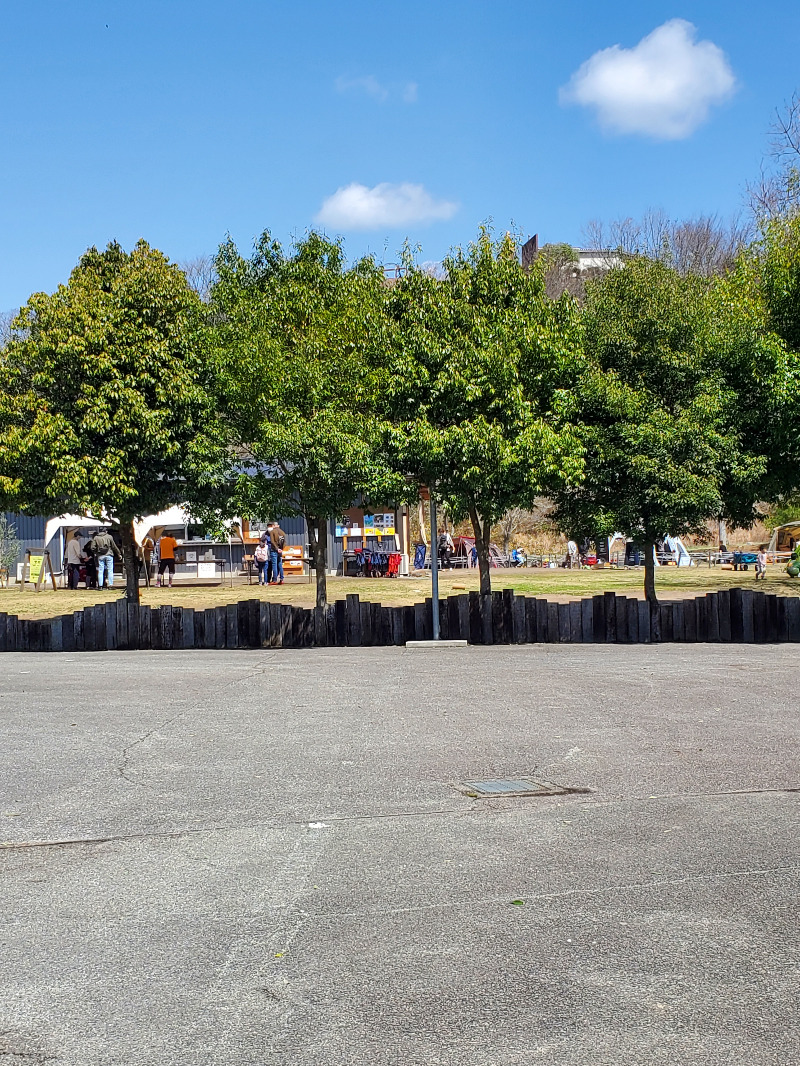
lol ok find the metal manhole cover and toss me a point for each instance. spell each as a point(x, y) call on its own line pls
point(514, 786)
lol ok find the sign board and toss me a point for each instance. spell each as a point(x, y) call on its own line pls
point(206, 569)
point(35, 568)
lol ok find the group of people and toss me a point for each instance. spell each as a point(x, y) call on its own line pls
point(96, 556)
point(269, 555)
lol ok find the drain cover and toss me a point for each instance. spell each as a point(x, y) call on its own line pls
point(514, 786)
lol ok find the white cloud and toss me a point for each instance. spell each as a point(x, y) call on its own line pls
point(663, 87)
point(385, 206)
point(376, 90)
point(410, 92)
point(368, 85)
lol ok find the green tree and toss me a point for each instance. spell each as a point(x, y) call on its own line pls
point(9, 544)
point(103, 404)
point(773, 269)
point(300, 353)
point(479, 391)
point(678, 407)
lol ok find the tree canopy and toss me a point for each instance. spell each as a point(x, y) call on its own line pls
point(478, 398)
point(301, 358)
point(303, 385)
point(104, 405)
point(677, 409)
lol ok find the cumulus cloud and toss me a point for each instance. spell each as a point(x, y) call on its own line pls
point(384, 206)
point(369, 85)
point(663, 87)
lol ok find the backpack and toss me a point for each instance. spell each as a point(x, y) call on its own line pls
point(281, 542)
point(261, 554)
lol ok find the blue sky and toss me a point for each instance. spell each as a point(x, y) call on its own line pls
point(182, 120)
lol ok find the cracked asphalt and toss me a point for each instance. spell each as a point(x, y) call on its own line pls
point(258, 858)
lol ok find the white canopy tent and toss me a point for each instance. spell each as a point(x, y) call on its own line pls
point(783, 535)
point(59, 526)
point(71, 521)
point(155, 524)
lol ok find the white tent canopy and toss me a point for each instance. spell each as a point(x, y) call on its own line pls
point(71, 521)
point(792, 529)
point(154, 523)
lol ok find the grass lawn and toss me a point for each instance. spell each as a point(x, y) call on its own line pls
point(671, 582)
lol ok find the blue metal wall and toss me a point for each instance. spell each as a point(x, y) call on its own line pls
point(30, 533)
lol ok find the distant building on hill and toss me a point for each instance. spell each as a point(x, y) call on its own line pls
point(587, 262)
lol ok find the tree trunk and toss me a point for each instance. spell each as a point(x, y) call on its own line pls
point(129, 561)
point(723, 534)
point(318, 539)
point(506, 542)
point(650, 572)
point(422, 532)
point(482, 533)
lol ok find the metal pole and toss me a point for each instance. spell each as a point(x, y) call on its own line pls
point(434, 568)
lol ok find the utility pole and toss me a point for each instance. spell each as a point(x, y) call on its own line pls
point(434, 568)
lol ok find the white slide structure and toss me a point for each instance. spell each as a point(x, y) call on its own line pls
point(679, 552)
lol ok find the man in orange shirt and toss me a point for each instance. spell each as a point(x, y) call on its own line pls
point(166, 554)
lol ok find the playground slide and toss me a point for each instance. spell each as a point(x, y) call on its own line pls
point(679, 552)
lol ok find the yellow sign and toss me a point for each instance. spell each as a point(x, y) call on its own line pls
point(35, 567)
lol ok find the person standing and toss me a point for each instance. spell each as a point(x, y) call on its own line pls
point(91, 563)
point(445, 547)
point(261, 556)
point(146, 550)
point(74, 557)
point(105, 551)
point(761, 565)
point(573, 555)
point(277, 540)
point(166, 555)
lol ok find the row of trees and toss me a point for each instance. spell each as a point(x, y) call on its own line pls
point(301, 383)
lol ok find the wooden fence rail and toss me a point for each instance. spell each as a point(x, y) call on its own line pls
point(740, 616)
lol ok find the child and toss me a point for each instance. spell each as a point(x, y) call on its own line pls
point(261, 555)
point(761, 565)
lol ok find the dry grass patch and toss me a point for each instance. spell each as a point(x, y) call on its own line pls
point(672, 583)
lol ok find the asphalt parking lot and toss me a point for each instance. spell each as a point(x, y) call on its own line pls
point(259, 858)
